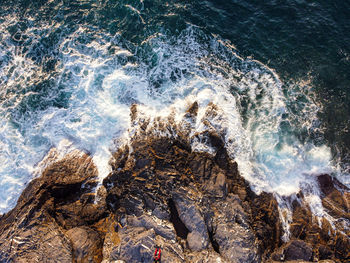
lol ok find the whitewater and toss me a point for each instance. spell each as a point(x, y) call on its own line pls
point(83, 102)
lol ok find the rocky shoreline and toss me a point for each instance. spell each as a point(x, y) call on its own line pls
point(193, 205)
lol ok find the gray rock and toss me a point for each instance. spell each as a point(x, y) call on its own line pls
point(236, 243)
point(137, 245)
point(234, 237)
point(196, 241)
point(171, 252)
point(161, 213)
point(205, 256)
point(165, 230)
point(198, 238)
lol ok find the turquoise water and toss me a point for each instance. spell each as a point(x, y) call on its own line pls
point(279, 72)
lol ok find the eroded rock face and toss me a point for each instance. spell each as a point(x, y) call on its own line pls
point(336, 196)
point(190, 215)
point(232, 232)
point(326, 241)
point(195, 206)
point(163, 178)
point(39, 228)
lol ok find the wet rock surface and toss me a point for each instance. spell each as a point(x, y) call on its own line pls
point(195, 206)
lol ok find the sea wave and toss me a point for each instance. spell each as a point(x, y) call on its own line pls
point(84, 97)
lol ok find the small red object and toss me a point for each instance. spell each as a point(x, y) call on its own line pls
point(157, 254)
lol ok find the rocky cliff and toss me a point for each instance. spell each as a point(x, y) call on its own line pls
point(194, 205)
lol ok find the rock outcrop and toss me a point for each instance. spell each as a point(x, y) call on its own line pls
point(194, 205)
point(169, 196)
point(50, 222)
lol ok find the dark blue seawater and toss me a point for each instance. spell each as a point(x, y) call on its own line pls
point(279, 70)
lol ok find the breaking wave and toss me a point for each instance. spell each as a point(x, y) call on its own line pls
point(79, 97)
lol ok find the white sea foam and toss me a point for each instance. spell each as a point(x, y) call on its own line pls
point(101, 80)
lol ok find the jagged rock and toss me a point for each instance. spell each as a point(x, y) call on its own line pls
point(216, 185)
point(164, 229)
point(171, 251)
point(327, 242)
point(325, 252)
point(137, 245)
point(342, 247)
point(40, 241)
point(30, 232)
point(265, 222)
point(295, 250)
point(232, 233)
point(336, 196)
point(109, 226)
point(195, 205)
point(161, 213)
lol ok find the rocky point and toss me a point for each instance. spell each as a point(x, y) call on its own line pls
point(195, 206)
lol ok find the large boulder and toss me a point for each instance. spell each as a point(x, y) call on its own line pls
point(33, 231)
point(198, 238)
point(232, 233)
point(298, 250)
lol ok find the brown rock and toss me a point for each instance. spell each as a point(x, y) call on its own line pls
point(30, 232)
point(40, 241)
point(196, 206)
point(266, 222)
point(342, 247)
point(86, 244)
point(325, 252)
point(328, 184)
point(335, 196)
point(298, 250)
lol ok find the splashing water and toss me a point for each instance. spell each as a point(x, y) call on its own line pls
point(85, 98)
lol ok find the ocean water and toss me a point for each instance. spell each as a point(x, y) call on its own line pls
point(279, 72)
